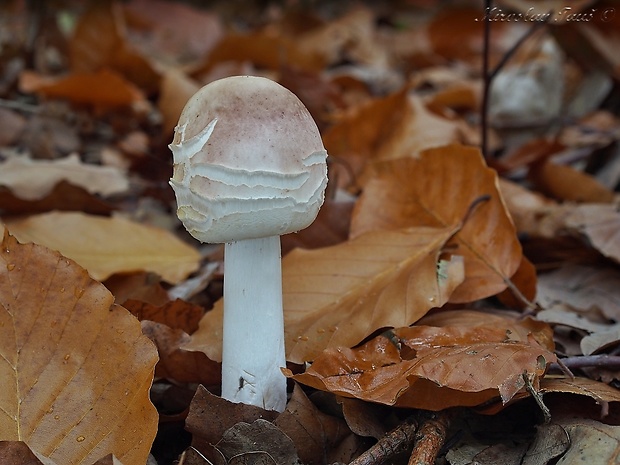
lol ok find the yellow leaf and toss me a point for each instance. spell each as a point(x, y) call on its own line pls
point(105, 246)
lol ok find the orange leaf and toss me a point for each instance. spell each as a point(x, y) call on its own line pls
point(396, 126)
point(438, 189)
point(103, 89)
point(564, 182)
point(339, 295)
point(100, 42)
point(75, 369)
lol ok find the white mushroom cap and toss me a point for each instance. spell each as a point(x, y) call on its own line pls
point(248, 162)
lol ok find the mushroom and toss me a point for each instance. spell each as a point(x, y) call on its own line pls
point(249, 166)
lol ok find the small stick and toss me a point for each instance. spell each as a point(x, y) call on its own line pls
point(484, 112)
point(611, 362)
point(396, 441)
point(430, 439)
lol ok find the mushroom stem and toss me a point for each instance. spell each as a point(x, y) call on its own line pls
point(253, 339)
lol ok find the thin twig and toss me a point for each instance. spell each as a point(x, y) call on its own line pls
point(537, 396)
point(610, 362)
point(517, 45)
point(430, 438)
point(484, 111)
point(393, 443)
point(488, 76)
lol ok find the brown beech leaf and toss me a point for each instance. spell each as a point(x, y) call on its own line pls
point(265, 49)
point(522, 292)
point(177, 364)
point(584, 288)
point(32, 179)
point(361, 129)
point(99, 41)
point(339, 295)
point(63, 197)
point(176, 314)
point(396, 126)
point(596, 390)
point(330, 227)
point(109, 245)
point(600, 224)
point(211, 416)
point(430, 378)
point(75, 369)
point(565, 183)
point(447, 187)
point(462, 327)
point(18, 453)
point(172, 32)
point(261, 439)
point(104, 89)
point(316, 435)
point(175, 90)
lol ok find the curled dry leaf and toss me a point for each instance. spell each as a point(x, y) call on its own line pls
point(75, 369)
point(339, 295)
point(105, 246)
point(31, 179)
point(442, 372)
point(444, 188)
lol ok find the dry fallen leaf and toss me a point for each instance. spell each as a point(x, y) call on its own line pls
point(211, 416)
point(99, 41)
point(319, 438)
point(103, 90)
point(105, 246)
point(176, 314)
point(339, 295)
point(584, 288)
point(177, 364)
point(600, 224)
point(433, 377)
point(31, 179)
point(447, 187)
point(63, 197)
point(563, 182)
point(395, 126)
point(75, 369)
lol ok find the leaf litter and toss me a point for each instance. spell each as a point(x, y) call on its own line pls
point(450, 304)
